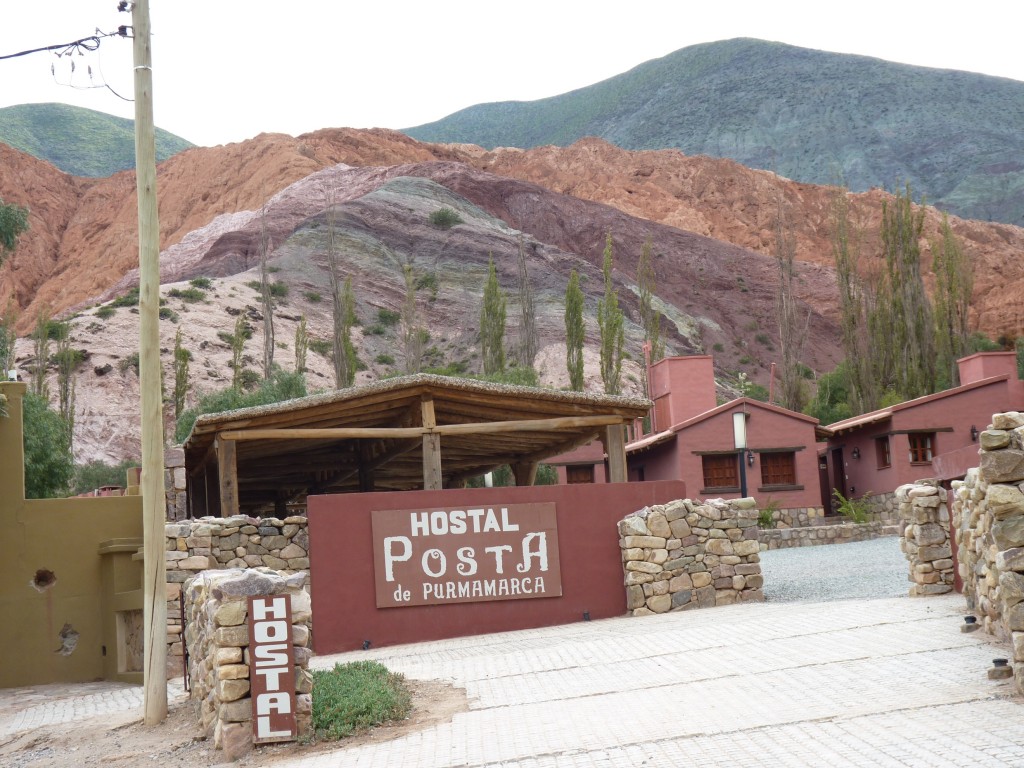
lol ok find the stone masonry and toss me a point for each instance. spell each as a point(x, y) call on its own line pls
point(227, 542)
point(988, 516)
point(216, 604)
point(691, 554)
point(925, 539)
point(816, 535)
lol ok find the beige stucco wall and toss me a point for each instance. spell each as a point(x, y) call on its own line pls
point(62, 536)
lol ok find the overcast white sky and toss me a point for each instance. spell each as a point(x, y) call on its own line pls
point(226, 70)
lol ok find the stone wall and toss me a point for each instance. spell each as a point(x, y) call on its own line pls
point(174, 483)
point(216, 605)
point(691, 554)
point(925, 538)
point(884, 507)
point(797, 517)
point(988, 516)
point(227, 542)
point(816, 535)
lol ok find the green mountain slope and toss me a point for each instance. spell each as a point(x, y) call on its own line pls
point(79, 141)
point(809, 115)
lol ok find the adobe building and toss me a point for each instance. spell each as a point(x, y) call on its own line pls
point(741, 448)
point(935, 436)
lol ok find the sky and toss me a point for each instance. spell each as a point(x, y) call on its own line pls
point(227, 70)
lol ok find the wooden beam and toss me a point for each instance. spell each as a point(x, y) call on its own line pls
point(431, 448)
point(527, 425)
point(330, 433)
point(614, 440)
point(227, 470)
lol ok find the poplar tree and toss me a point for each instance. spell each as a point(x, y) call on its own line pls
point(266, 298)
point(237, 341)
point(528, 330)
point(67, 360)
point(574, 332)
point(650, 318)
point(344, 351)
point(41, 348)
point(301, 345)
point(792, 326)
point(412, 335)
point(181, 385)
point(492, 324)
point(13, 222)
point(954, 284)
point(610, 323)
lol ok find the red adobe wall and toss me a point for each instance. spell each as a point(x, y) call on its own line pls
point(681, 388)
point(342, 570)
point(983, 365)
point(766, 428)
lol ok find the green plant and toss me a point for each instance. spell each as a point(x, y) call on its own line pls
point(388, 318)
point(166, 313)
point(96, 474)
point(323, 347)
point(353, 697)
point(278, 289)
point(132, 362)
point(48, 461)
point(130, 299)
point(766, 516)
point(445, 218)
point(763, 338)
point(854, 510)
point(718, 347)
point(190, 294)
point(105, 312)
point(202, 283)
point(313, 297)
point(383, 359)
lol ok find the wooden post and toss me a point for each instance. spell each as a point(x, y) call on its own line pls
point(525, 473)
point(154, 505)
point(615, 446)
point(431, 449)
point(227, 471)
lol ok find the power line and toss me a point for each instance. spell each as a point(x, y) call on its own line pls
point(80, 46)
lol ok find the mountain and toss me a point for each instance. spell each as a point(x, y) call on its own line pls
point(808, 115)
point(79, 141)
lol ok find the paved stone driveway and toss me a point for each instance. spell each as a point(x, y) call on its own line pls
point(885, 682)
point(888, 682)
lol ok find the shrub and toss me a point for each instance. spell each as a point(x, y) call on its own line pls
point(132, 361)
point(105, 312)
point(202, 283)
point(130, 299)
point(96, 474)
point(383, 359)
point(190, 294)
point(48, 462)
point(353, 697)
point(445, 218)
point(313, 297)
point(277, 289)
point(323, 347)
point(387, 317)
point(766, 516)
point(166, 313)
point(763, 338)
point(854, 510)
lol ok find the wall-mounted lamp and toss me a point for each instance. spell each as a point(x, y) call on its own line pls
point(855, 453)
point(750, 458)
point(974, 434)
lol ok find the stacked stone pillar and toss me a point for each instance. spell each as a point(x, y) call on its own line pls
point(988, 515)
point(925, 539)
point(217, 636)
point(690, 554)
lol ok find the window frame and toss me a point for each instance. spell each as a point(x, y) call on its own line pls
point(778, 470)
point(883, 452)
point(920, 444)
point(710, 462)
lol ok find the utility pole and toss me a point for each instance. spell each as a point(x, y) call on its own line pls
point(153, 503)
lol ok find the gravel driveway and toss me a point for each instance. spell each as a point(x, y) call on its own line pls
point(860, 569)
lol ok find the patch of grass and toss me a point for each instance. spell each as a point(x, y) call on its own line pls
point(130, 362)
point(278, 289)
point(130, 299)
point(388, 318)
point(166, 313)
point(718, 347)
point(313, 297)
point(763, 338)
point(105, 312)
point(323, 347)
point(191, 294)
point(384, 360)
point(202, 283)
point(354, 697)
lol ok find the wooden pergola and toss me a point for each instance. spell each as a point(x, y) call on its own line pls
point(414, 432)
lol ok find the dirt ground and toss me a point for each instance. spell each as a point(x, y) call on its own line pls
point(121, 739)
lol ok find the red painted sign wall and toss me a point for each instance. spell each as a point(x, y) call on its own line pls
point(475, 554)
point(342, 565)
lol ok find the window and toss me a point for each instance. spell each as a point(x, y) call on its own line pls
point(921, 447)
point(778, 468)
point(882, 452)
point(579, 473)
point(720, 471)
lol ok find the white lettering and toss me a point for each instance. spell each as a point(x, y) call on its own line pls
point(503, 587)
point(515, 586)
point(270, 702)
point(538, 585)
point(458, 518)
point(418, 523)
point(269, 607)
point(505, 524)
point(271, 655)
point(270, 631)
point(463, 589)
point(541, 553)
point(276, 674)
point(390, 558)
point(476, 514)
point(478, 588)
point(467, 561)
point(492, 522)
point(489, 588)
point(498, 553)
point(437, 555)
point(263, 730)
point(439, 523)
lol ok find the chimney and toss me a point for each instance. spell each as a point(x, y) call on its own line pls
point(984, 365)
point(681, 388)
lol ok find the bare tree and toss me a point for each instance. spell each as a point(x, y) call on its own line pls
point(41, 348)
point(412, 334)
point(954, 284)
point(181, 385)
point(301, 345)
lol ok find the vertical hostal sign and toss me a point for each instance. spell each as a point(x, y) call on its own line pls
point(271, 669)
point(437, 556)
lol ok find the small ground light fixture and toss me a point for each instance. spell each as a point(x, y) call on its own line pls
point(366, 645)
point(974, 434)
point(586, 615)
point(1001, 669)
point(970, 624)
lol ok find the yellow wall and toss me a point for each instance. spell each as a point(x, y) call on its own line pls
point(63, 536)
